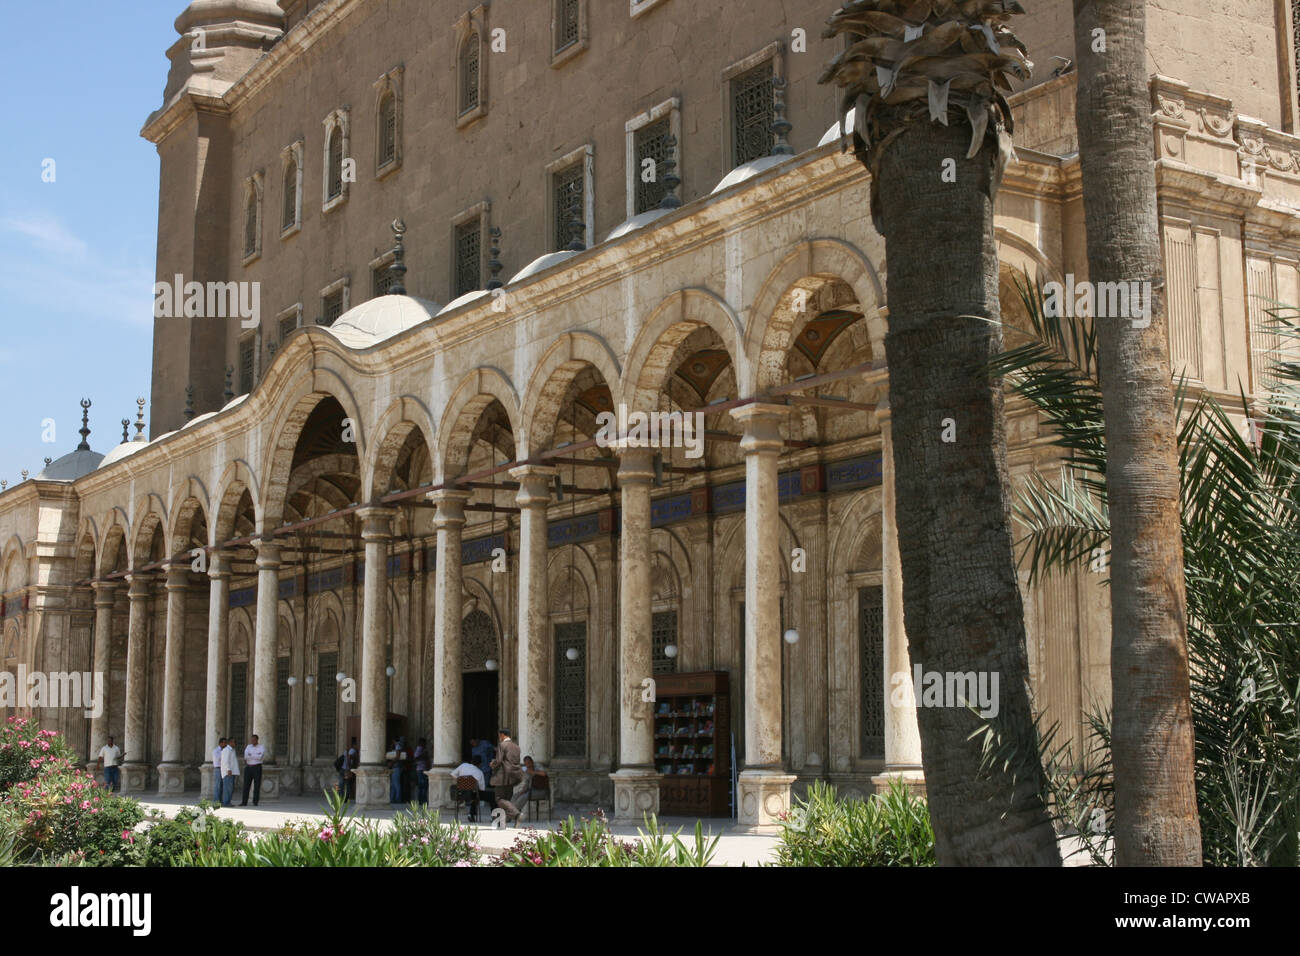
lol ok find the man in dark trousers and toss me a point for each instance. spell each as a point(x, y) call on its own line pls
point(253, 755)
point(506, 772)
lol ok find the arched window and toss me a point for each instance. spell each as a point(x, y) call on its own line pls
point(387, 129)
point(290, 216)
point(334, 172)
point(469, 73)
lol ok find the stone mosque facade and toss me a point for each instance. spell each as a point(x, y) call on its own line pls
point(378, 501)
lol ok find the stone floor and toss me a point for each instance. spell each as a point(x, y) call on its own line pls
point(736, 845)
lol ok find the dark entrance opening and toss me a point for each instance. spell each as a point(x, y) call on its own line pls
point(478, 715)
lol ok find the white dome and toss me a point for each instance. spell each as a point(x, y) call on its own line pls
point(541, 264)
point(748, 171)
point(201, 418)
point(74, 465)
point(465, 299)
point(124, 450)
point(235, 401)
point(380, 318)
point(833, 134)
point(636, 222)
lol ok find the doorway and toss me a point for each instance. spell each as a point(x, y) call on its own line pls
point(478, 714)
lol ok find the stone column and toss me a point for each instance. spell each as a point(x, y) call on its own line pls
point(636, 785)
point(534, 643)
point(265, 646)
point(372, 775)
point(135, 769)
point(764, 787)
point(171, 772)
point(105, 596)
point(218, 664)
point(448, 610)
point(902, 736)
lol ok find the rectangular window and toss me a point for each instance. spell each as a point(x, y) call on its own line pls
point(568, 187)
point(651, 151)
point(469, 257)
point(571, 690)
point(287, 325)
point(250, 223)
point(290, 213)
point(327, 705)
point(331, 307)
point(663, 631)
point(871, 670)
point(752, 114)
point(566, 24)
point(335, 166)
point(282, 691)
point(239, 701)
point(382, 280)
point(247, 353)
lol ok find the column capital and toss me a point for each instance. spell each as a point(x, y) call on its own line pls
point(534, 484)
point(636, 466)
point(105, 593)
point(451, 506)
point(178, 578)
point(762, 421)
point(138, 586)
point(219, 563)
point(268, 554)
point(376, 522)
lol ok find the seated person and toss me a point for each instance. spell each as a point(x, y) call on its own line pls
point(467, 769)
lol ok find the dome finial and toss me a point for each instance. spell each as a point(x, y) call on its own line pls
point(780, 125)
point(577, 228)
point(85, 425)
point(398, 269)
point(189, 403)
point(671, 179)
point(126, 429)
point(139, 419)
point(229, 393)
point(494, 262)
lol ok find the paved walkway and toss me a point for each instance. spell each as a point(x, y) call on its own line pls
point(736, 846)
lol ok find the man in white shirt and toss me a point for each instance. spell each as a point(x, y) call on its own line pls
point(109, 758)
point(253, 755)
point(229, 771)
point(467, 769)
point(216, 770)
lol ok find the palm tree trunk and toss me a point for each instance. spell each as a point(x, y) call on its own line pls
point(1153, 746)
point(961, 601)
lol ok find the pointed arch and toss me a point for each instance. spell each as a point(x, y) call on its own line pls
point(650, 359)
point(475, 392)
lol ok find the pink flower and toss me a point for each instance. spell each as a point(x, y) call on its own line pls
point(85, 804)
point(326, 834)
point(462, 863)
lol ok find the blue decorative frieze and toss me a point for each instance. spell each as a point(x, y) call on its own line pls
point(854, 473)
point(244, 597)
point(330, 580)
point(480, 549)
point(289, 587)
point(581, 528)
point(729, 498)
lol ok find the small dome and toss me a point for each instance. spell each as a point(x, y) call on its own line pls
point(380, 318)
point(636, 222)
point(833, 134)
point(70, 467)
point(541, 264)
point(748, 171)
point(235, 401)
point(124, 450)
point(202, 418)
point(465, 299)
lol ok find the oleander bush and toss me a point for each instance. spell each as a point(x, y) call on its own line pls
point(26, 750)
point(886, 829)
point(590, 842)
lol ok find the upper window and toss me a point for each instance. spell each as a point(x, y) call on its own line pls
point(340, 169)
point(568, 30)
point(471, 66)
point(333, 301)
point(289, 322)
point(291, 205)
point(752, 114)
point(253, 218)
point(247, 366)
point(568, 202)
point(469, 72)
point(469, 257)
point(652, 152)
point(382, 279)
point(388, 122)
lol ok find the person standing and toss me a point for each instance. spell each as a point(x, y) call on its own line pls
point(216, 769)
point(253, 755)
point(350, 770)
point(229, 771)
point(421, 772)
point(481, 752)
point(396, 790)
point(110, 757)
point(507, 773)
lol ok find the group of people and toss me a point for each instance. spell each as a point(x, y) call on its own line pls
point(511, 780)
point(225, 770)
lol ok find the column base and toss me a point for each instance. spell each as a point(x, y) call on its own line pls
point(372, 786)
point(205, 782)
point(290, 782)
point(440, 783)
point(171, 779)
point(636, 794)
point(135, 777)
point(272, 783)
point(763, 797)
point(913, 778)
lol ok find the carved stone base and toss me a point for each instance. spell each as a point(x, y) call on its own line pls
point(440, 784)
point(372, 786)
point(636, 794)
point(763, 798)
point(135, 777)
point(205, 782)
point(171, 779)
point(272, 784)
point(290, 781)
point(913, 780)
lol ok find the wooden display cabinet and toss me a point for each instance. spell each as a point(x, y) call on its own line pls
point(692, 744)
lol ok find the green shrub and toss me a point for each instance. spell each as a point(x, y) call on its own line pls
point(887, 829)
point(590, 843)
point(63, 810)
point(26, 751)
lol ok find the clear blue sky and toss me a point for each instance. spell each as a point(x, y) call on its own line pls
point(77, 80)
